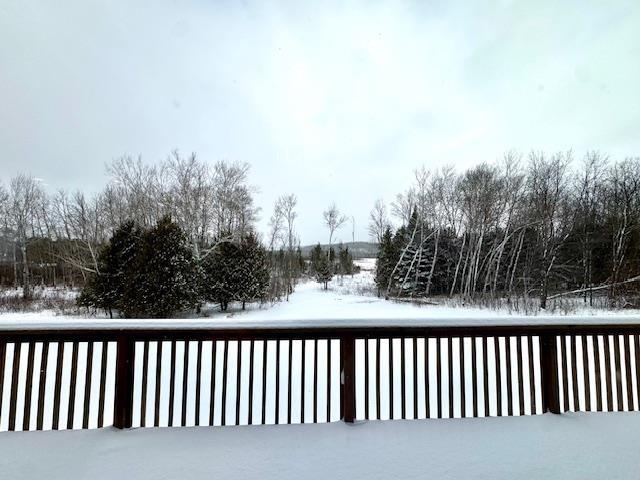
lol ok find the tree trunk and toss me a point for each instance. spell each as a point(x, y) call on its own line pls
point(26, 288)
point(455, 275)
point(433, 263)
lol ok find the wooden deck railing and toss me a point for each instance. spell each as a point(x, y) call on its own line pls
point(93, 376)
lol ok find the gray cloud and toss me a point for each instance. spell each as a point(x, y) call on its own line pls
point(330, 102)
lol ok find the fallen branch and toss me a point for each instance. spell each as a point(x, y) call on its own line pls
point(592, 289)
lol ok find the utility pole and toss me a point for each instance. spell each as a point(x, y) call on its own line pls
point(353, 229)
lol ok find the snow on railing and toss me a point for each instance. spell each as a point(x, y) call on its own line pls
point(21, 323)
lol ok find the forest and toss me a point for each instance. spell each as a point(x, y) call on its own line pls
point(165, 238)
point(525, 229)
point(159, 239)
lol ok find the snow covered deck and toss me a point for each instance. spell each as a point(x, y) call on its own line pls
point(568, 446)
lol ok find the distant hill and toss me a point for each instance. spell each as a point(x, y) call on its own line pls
point(357, 249)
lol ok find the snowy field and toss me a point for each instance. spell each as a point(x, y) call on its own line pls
point(569, 446)
point(349, 298)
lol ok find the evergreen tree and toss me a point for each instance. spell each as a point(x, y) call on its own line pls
point(324, 273)
point(223, 274)
point(385, 261)
point(316, 253)
point(107, 288)
point(346, 261)
point(302, 265)
point(166, 278)
point(253, 279)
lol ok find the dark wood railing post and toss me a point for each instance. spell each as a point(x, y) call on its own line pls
point(123, 409)
point(348, 378)
point(549, 374)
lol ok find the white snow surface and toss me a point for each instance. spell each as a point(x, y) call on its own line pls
point(568, 446)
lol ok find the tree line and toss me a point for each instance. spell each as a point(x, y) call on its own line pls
point(182, 225)
point(63, 238)
point(540, 227)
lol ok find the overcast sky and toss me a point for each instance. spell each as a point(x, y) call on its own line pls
point(330, 102)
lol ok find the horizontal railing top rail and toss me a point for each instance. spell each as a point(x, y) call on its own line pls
point(177, 329)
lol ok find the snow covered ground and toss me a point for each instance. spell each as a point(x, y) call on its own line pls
point(569, 446)
point(349, 299)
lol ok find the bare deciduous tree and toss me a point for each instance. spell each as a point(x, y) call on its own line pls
point(378, 221)
point(25, 193)
point(333, 220)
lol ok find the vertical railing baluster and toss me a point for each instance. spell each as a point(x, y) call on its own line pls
point(520, 373)
point(391, 379)
point(172, 383)
point(3, 351)
point(348, 369)
point(585, 370)
point(87, 386)
point(565, 372)
point(403, 394)
point(366, 379)
point(42, 385)
point(198, 383)
point(212, 383)
point(474, 375)
point(617, 362)
point(636, 344)
point(378, 378)
point(415, 378)
point(439, 374)
point(277, 392)
point(303, 369)
point(185, 383)
point(144, 384)
point(14, 385)
point(239, 381)
point(532, 378)
point(315, 381)
point(251, 378)
point(156, 400)
point(264, 381)
point(463, 387)
point(57, 386)
point(485, 375)
point(123, 405)
point(28, 388)
point(549, 373)
point(507, 342)
point(450, 373)
point(627, 368)
point(607, 371)
point(598, 373)
point(225, 362)
point(498, 356)
point(427, 401)
point(289, 380)
point(574, 374)
point(329, 380)
point(72, 386)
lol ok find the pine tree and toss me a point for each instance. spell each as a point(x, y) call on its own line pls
point(385, 261)
point(253, 280)
point(302, 265)
point(316, 253)
point(107, 288)
point(223, 274)
point(324, 273)
point(346, 261)
point(166, 278)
